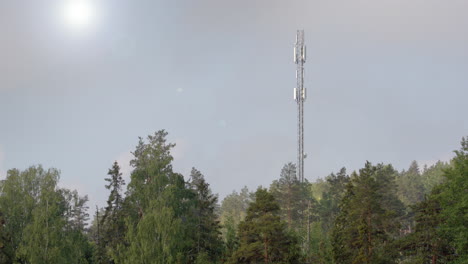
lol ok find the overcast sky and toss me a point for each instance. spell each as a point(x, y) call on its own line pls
point(387, 82)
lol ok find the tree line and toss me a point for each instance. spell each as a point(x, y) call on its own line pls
point(374, 215)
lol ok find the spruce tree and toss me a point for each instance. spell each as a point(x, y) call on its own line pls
point(207, 231)
point(367, 225)
point(426, 244)
point(157, 207)
point(296, 204)
point(453, 198)
point(112, 224)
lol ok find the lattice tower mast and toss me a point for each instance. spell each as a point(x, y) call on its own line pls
point(300, 97)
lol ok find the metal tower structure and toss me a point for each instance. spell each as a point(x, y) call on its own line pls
point(300, 97)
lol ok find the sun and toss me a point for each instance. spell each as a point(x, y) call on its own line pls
point(78, 14)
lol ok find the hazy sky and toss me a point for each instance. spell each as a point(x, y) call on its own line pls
point(387, 82)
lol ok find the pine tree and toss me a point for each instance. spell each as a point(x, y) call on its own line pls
point(324, 215)
point(328, 207)
point(296, 204)
point(343, 233)
point(263, 235)
point(289, 194)
point(426, 244)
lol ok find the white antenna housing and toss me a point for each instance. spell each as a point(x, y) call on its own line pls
point(300, 97)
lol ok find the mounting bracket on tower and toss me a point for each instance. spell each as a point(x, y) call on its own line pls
point(300, 96)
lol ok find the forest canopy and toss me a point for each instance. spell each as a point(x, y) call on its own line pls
point(374, 215)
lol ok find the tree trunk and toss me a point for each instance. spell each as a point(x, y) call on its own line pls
point(369, 235)
point(265, 242)
point(47, 228)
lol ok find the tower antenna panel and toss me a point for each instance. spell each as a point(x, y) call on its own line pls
point(300, 97)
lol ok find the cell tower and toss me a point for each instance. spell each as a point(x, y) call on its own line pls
point(300, 97)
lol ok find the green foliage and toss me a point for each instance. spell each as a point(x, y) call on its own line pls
point(263, 235)
point(207, 227)
point(410, 185)
point(152, 171)
point(203, 258)
point(426, 244)
point(367, 225)
point(453, 199)
point(325, 213)
point(297, 204)
point(155, 238)
point(150, 200)
point(43, 240)
point(291, 196)
point(286, 191)
point(94, 234)
point(320, 244)
point(164, 219)
point(42, 223)
point(434, 176)
point(19, 193)
point(112, 224)
point(164, 212)
point(231, 239)
point(79, 249)
point(233, 210)
point(5, 246)
point(328, 206)
point(235, 205)
point(318, 188)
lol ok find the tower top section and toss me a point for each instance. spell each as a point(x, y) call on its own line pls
point(300, 48)
point(300, 97)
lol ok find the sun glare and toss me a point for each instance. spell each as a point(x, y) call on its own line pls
point(79, 14)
